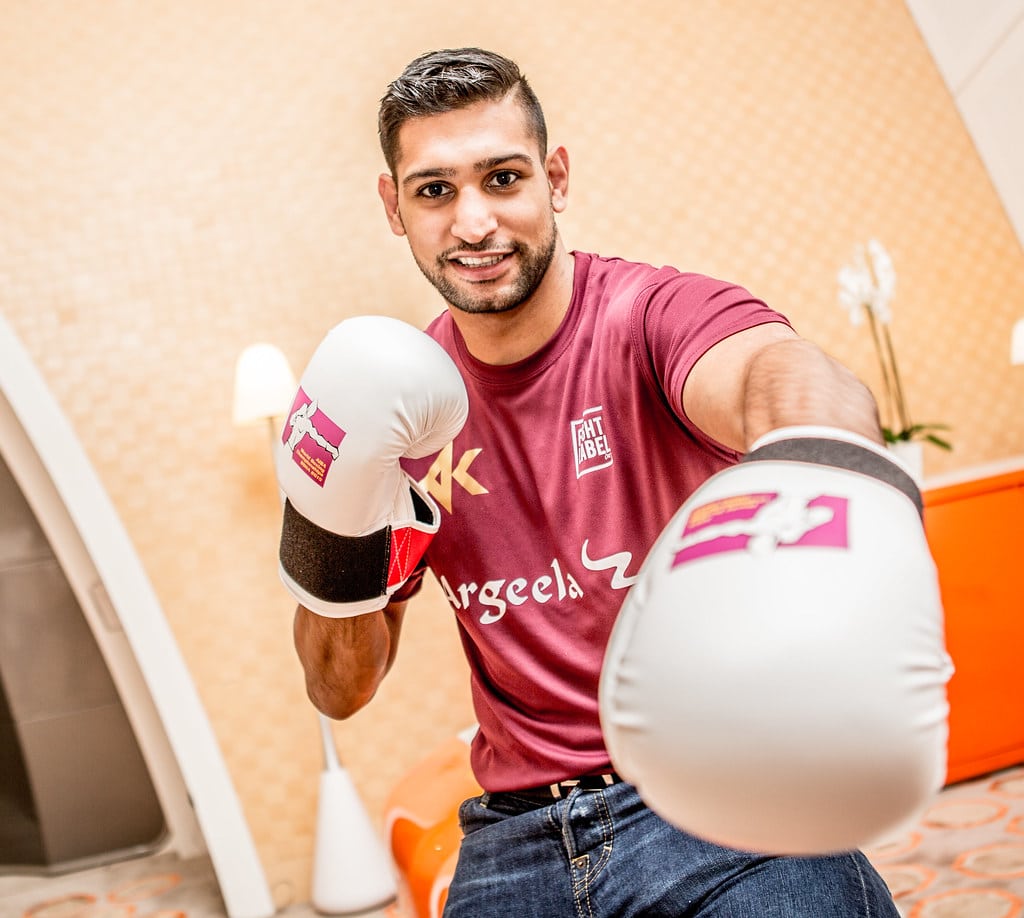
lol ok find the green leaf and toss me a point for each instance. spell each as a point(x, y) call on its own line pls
point(917, 432)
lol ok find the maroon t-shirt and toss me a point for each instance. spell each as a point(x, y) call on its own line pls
point(570, 465)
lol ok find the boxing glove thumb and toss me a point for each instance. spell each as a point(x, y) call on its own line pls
point(775, 680)
point(355, 524)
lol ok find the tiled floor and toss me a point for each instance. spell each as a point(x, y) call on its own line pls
point(964, 859)
point(965, 856)
point(160, 886)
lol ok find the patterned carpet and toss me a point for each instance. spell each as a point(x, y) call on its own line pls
point(964, 859)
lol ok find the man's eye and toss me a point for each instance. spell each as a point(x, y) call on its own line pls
point(433, 190)
point(504, 179)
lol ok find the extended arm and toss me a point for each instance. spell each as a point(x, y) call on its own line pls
point(768, 377)
point(775, 680)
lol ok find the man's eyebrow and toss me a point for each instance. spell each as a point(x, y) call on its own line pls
point(481, 165)
point(427, 174)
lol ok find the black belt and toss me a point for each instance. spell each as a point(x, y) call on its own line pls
point(562, 789)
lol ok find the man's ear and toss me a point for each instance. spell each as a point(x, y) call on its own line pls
point(388, 192)
point(557, 167)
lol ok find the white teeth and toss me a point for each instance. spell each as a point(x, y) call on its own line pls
point(479, 262)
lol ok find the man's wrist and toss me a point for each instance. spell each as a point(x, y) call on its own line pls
point(832, 446)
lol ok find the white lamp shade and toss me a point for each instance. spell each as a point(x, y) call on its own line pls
point(1017, 343)
point(264, 384)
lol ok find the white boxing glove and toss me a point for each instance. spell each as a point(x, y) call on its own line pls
point(776, 679)
point(355, 524)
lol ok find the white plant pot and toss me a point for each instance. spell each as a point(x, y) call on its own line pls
point(910, 454)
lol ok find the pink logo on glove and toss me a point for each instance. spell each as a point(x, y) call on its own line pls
point(312, 437)
point(762, 522)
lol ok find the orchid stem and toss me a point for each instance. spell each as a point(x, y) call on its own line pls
point(901, 405)
point(887, 375)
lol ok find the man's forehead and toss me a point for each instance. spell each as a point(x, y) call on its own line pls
point(468, 138)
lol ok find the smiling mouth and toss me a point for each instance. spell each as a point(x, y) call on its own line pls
point(482, 261)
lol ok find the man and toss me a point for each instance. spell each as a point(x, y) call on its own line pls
point(600, 395)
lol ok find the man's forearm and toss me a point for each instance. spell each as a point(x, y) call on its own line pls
point(345, 659)
point(794, 382)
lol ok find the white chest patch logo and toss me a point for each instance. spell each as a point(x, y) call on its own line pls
point(590, 442)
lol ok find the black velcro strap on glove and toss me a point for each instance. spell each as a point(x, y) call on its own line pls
point(840, 454)
point(334, 568)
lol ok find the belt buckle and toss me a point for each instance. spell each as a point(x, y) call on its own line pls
point(562, 789)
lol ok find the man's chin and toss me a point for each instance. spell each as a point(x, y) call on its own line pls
point(481, 299)
point(482, 307)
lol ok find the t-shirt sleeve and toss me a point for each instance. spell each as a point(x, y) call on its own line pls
point(412, 585)
point(685, 315)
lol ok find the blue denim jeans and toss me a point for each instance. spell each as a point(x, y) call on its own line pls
point(604, 854)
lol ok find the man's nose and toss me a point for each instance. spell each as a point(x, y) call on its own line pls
point(474, 219)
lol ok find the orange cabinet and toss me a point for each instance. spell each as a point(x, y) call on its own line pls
point(976, 532)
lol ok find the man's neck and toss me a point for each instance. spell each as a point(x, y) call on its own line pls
point(507, 337)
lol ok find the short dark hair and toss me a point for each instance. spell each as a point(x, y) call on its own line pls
point(443, 81)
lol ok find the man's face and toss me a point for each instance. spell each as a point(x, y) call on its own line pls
point(471, 192)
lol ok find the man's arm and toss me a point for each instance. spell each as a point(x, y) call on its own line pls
point(355, 524)
point(768, 377)
point(345, 659)
point(788, 587)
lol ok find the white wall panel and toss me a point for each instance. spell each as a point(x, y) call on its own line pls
point(961, 34)
point(993, 108)
point(978, 46)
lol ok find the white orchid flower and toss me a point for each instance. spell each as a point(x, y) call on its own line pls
point(866, 288)
point(884, 276)
point(868, 283)
point(855, 290)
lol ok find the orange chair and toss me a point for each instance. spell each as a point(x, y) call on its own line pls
point(976, 533)
point(421, 818)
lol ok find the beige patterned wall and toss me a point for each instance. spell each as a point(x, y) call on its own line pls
point(180, 178)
